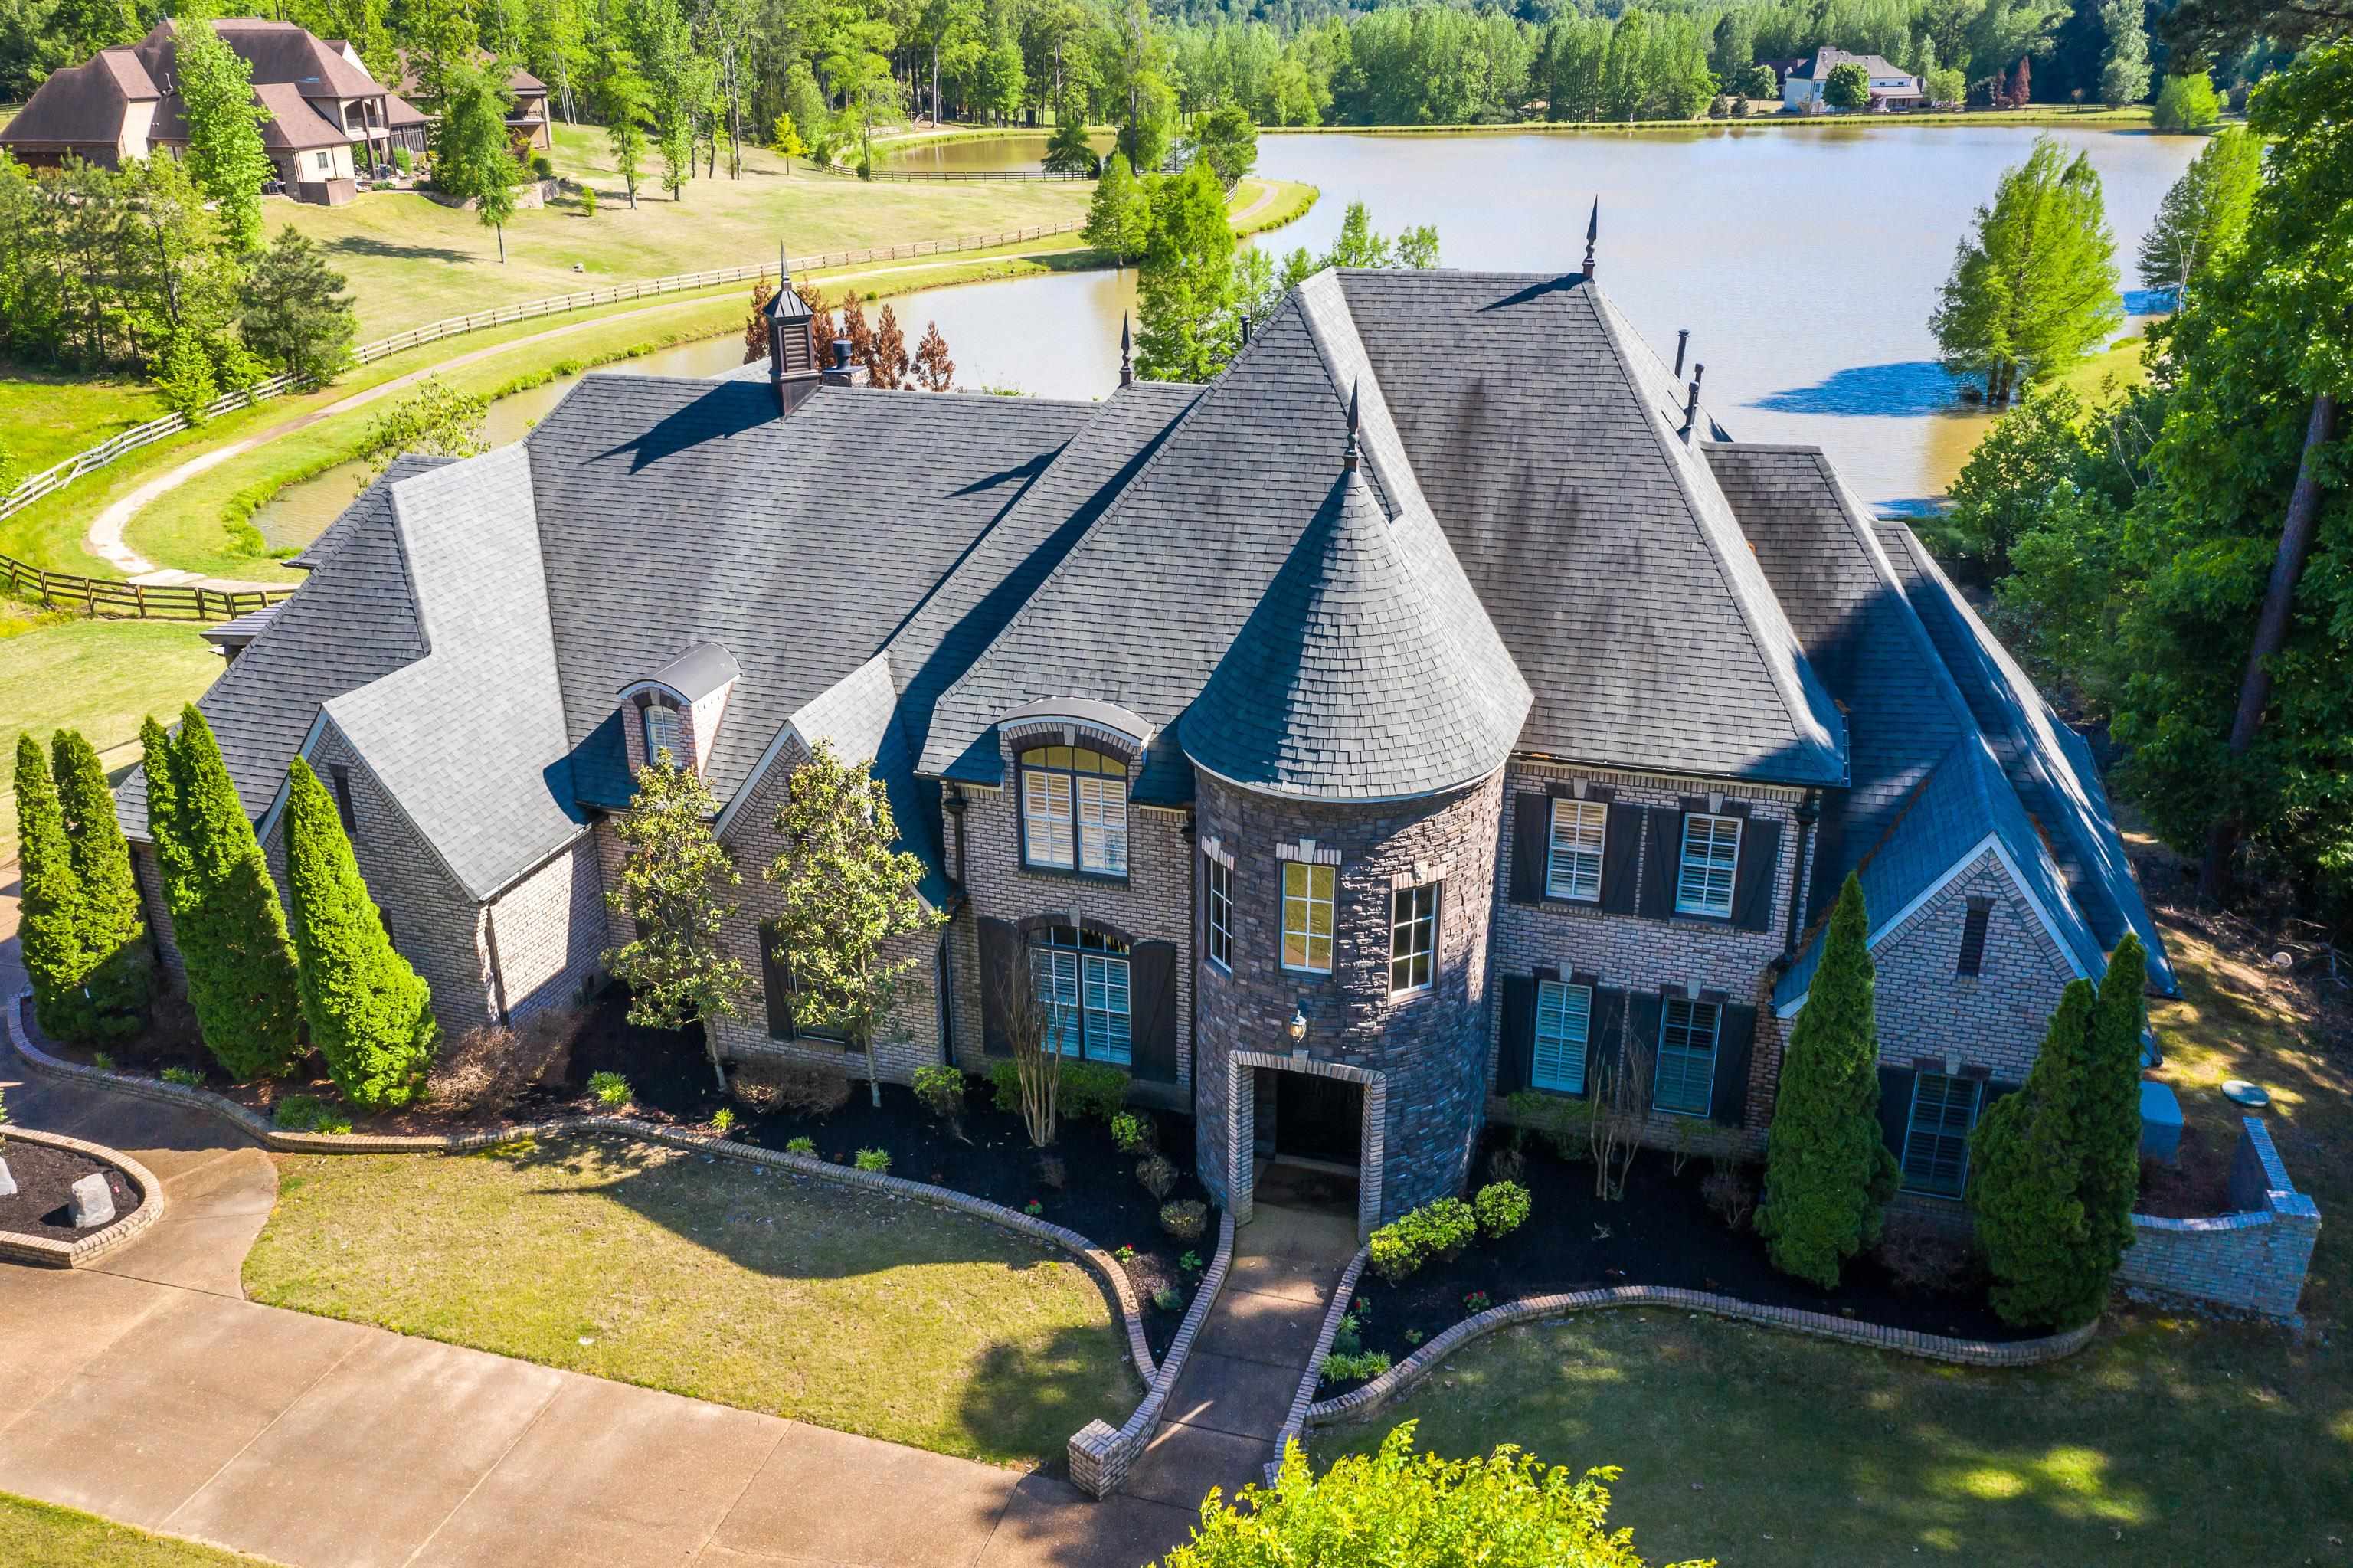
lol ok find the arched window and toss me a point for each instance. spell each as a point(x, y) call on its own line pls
point(662, 734)
point(1074, 811)
point(1081, 978)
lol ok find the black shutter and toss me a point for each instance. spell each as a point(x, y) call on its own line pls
point(1602, 1034)
point(1894, 1108)
point(1643, 1026)
point(1001, 966)
point(1622, 853)
point(1752, 881)
point(1152, 1002)
point(1519, 1032)
point(1664, 860)
point(1735, 1039)
point(1531, 846)
point(776, 980)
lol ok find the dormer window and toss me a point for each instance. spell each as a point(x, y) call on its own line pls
point(1073, 810)
point(662, 734)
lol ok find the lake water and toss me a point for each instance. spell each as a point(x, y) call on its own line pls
point(1803, 262)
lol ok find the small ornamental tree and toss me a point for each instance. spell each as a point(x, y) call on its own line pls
point(472, 158)
point(371, 1015)
point(2109, 1133)
point(852, 904)
point(51, 905)
point(2025, 1178)
point(934, 371)
point(755, 326)
point(888, 368)
point(2187, 103)
point(1413, 1510)
point(675, 886)
point(120, 975)
point(1828, 1173)
point(1849, 86)
point(226, 915)
point(858, 330)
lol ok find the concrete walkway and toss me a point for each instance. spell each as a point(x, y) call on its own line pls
point(148, 1390)
point(1232, 1399)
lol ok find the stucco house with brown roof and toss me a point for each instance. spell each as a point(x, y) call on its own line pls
point(329, 120)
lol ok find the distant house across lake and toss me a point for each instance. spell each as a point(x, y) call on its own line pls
point(1804, 81)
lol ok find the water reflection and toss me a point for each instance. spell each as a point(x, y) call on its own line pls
point(989, 153)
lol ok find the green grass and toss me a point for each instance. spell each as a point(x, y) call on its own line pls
point(42, 1535)
point(46, 417)
point(2177, 1439)
point(646, 1264)
point(2040, 114)
point(1291, 200)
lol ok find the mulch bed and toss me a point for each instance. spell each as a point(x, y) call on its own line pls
point(1661, 1233)
point(45, 1177)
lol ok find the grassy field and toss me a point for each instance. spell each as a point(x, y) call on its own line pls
point(41, 1535)
point(2185, 1439)
point(46, 417)
point(646, 1264)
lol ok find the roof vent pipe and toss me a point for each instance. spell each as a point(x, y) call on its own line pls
point(842, 353)
point(1682, 342)
point(1690, 406)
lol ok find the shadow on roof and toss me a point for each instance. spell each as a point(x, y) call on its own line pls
point(729, 409)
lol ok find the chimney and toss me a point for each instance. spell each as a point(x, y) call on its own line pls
point(1126, 354)
point(1683, 341)
point(841, 372)
point(1690, 403)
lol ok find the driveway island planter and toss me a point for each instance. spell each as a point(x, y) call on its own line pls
point(37, 1220)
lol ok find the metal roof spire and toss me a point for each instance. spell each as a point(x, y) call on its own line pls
point(1126, 354)
point(1354, 423)
point(1592, 233)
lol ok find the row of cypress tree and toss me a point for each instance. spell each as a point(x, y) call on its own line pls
point(257, 973)
point(2054, 1168)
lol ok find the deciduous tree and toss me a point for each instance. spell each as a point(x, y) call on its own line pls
point(677, 894)
point(2187, 103)
point(472, 158)
point(435, 420)
point(2124, 65)
point(1849, 86)
point(2033, 288)
point(2203, 210)
point(1119, 217)
point(1185, 286)
point(622, 97)
point(225, 157)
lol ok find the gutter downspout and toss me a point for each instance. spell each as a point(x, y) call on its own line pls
point(1809, 811)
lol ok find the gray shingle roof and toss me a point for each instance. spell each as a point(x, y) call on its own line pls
point(1348, 682)
point(697, 671)
point(470, 739)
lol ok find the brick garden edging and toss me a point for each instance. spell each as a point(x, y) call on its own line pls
point(1304, 1400)
point(1100, 1456)
point(41, 1252)
point(1395, 1381)
point(1101, 1264)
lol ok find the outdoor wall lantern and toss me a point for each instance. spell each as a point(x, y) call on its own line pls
point(1298, 1031)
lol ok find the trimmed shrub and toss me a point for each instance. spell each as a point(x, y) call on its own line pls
point(309, 1113)
point(878, 1160)
point(371, 1014)
point(2024, 1174)
point(1185, 1219)
point(940, 1090)
point(119, 971)
point(1089, 1090)
point(610, 1089)
point(1159, 1174)
point(50, 912)
point(1134, 1132)
point(1502, 1207)
point(1729, 1194)
point(1438, 1230)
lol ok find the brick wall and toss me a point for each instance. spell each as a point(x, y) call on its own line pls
point(2255, 1259)
point(150, 877)
point(548, 932)
point(1995, 1019)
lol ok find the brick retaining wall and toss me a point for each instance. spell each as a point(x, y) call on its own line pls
point(1100, 1456)
point(15, 1247)
point(2255, 1258)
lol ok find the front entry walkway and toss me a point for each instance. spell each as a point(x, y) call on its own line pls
point(1232, 1399)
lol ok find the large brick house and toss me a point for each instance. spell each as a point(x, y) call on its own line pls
point(1438, 704)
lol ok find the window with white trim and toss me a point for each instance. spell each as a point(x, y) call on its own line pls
point(1083, 979)
point(1685, 1078)
point(1711, 857)
point(1936, 1134)
point(662, 734)
point(1413, 937)
point(1219, 881)
point(1307, 894)
point(1563, 1019)
point(1573, 861)
point(1075, 810)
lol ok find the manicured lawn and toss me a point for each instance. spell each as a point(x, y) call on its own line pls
point(42, 1535)
point(48, 415)
point(649, 1265)
point(2185, 1440)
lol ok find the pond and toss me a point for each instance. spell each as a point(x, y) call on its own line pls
point(1022, 150)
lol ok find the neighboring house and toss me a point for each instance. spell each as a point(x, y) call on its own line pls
point(1340, 747)
point(1804, 81)
point(527, 123)
point(329, 120)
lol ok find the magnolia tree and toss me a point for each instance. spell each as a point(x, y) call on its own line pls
point(852, 904)
point(675, 892)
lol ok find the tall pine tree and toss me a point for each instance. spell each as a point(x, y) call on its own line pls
point(225, 916)
point(2026, 1170)
point(118, 975)
point(371, 1015)
point(49, 913)
point(1828, 1173)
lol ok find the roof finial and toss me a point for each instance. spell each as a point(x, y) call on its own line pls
point(1354, 423)
point(783, 268)
point(1592, 233)
point(1690, 406)
point(1126, 354)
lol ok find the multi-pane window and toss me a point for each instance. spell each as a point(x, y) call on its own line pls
point(1307, 893)
point(1936, 1134)
point(1219, 881)
point(1413, 937)
point(1563, 1019)
point(1573, 865)
point(1075, 810)
point(662, 734)
point(1685, 1075)
point(1711, 856)
point(1082, 981)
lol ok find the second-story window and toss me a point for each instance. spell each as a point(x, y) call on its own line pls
point(1573, 864)
point(1075, 810)
point(1711, 858)
point(1307, 894)
point(1219, 881)
point(1413, 937)
point(662, 734)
